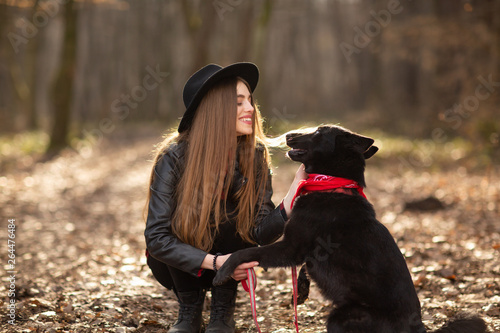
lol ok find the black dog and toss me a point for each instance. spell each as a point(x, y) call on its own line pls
point(349, 254)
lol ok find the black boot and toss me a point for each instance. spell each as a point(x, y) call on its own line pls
point(222, 310)
point(190, 309)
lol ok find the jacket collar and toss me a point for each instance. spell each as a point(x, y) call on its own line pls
point(238, 179)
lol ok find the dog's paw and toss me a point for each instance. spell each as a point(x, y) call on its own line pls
point(303, 284)
point(222, 276)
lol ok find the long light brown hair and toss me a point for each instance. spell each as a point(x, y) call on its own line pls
point(212, 150)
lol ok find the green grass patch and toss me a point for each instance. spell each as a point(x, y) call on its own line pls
point(25, 143)
point(19, 150)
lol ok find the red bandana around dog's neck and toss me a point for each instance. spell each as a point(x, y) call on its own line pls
point(318, 182)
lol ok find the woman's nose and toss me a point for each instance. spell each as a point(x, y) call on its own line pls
point(248, 107)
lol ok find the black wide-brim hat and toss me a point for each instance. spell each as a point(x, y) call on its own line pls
point(200, 83)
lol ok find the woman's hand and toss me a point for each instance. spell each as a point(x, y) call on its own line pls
point(240, 273)
point(299, 175)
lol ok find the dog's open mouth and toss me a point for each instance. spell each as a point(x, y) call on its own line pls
point(296, 154)
point(298, 146)
point(297, 151)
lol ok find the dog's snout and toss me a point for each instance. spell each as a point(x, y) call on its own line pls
point(293, 136)
point(290, 137)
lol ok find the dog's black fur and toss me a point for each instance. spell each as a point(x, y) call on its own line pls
point(349, 254)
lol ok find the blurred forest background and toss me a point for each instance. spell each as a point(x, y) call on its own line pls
point(87, 87)
point(78, 70)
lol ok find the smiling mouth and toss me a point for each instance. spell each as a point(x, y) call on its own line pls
point(246, 120)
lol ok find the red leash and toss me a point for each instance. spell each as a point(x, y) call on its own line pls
point(295, 292)
point(251, 283)
point(250, 288)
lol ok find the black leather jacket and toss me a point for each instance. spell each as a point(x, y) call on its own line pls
point(164, 246)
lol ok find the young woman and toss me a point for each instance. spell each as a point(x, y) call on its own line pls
point(210, 195)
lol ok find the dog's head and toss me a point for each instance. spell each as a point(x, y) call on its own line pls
point(332, 150)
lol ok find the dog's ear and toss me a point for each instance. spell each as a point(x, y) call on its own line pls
point(370, 152)
point(360, 143)
point(363, 145)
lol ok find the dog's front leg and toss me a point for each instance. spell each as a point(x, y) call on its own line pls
point(237, 258)
point(279, 254)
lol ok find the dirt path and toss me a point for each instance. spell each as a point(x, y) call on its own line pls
point(79, 246)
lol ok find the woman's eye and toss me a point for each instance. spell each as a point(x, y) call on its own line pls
point(239, 104)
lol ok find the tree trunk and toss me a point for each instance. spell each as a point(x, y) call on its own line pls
point(200, 24)
point(33, 56)
point(63, 86)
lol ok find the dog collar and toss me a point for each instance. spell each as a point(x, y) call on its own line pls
point(322, 183)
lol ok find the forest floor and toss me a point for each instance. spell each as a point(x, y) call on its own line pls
point(79, 245)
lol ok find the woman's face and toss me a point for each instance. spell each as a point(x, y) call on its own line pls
point(245, 110)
